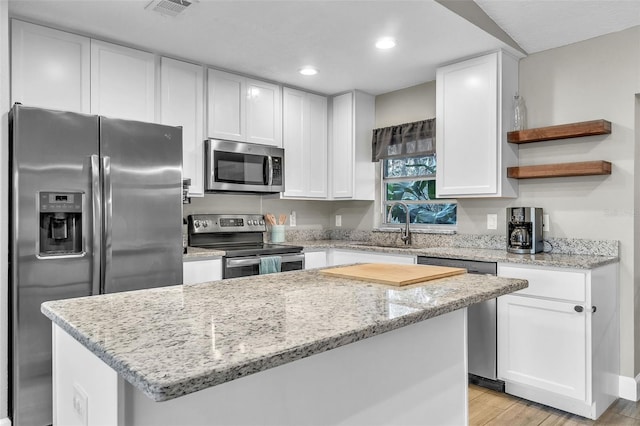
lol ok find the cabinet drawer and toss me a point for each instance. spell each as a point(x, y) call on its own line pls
point(554, 284)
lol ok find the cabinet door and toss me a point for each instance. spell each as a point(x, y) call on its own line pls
point(182, 104)
point(316, 145)
point(227, 106)
point(49, 68)
point(305, 143)
point(122, 82)
point(342, 147)
point(295, 161)
point(315, 259)
point(467, 131)
point(264, 113)
point(543, 344)
point(201, 271)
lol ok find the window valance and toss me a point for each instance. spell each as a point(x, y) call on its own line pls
point(404, 140)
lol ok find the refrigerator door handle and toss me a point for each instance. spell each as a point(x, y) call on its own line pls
point(96, 210)
point(108, 226)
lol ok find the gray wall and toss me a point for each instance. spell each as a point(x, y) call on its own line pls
point(594, 79)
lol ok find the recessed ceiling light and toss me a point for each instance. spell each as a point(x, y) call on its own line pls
point(386, 43)
point(308, 70)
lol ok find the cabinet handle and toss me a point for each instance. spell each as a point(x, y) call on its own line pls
point(593, 309)
point(578, 308)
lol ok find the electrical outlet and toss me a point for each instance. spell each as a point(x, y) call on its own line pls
point(81, 404)
point(545, 223)
point(292, 218)
point(492, 221)
point(338, 220)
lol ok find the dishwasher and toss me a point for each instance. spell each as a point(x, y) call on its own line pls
point(481, 325)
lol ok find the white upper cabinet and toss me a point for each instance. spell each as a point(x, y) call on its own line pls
point(305, 144)
point(227, 106)
point(122, 82)
point(264, 113)
point(182, 104)
point(49, 68)
point(243, 109)
point(473, 103)
point(352, 171)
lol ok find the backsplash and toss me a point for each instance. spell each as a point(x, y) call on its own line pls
point(494, 242)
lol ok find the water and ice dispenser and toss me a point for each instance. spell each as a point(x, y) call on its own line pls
point(60, 223)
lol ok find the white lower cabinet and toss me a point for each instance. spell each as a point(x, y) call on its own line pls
point(200, 271)
point(315, 259)
point(344, 257)
point(550, 337)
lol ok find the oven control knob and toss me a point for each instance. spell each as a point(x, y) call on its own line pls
point(255, 222)
point(205, 224)
point(261, 222)
point(250, 222)
point(196, 224)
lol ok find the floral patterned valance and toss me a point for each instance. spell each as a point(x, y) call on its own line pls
point(404, 140)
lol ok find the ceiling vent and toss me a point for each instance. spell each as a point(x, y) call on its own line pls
point(168, 7)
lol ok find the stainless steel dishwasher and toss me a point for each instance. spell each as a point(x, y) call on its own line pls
point(481, 325)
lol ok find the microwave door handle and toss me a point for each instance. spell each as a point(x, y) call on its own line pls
point(270, 170)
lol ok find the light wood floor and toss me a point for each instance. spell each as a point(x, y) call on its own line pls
point(487, 407)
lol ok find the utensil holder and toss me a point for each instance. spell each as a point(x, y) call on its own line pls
point(277, 233)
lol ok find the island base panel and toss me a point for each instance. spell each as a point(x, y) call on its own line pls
point(415, 375)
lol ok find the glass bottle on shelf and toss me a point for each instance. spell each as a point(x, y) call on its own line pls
point(519, 113)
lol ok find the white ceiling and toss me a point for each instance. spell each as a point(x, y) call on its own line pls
point(273, 39)
point(545, 24)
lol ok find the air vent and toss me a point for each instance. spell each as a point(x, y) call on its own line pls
point(168, 7)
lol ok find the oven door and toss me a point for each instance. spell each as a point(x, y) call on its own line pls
point(245, 266)
point(242, 167)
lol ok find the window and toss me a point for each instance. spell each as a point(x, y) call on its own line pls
point(412, 181)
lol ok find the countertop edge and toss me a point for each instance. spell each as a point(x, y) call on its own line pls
point(159, 391)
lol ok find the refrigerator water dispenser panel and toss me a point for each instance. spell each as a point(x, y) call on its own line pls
point(60, 224)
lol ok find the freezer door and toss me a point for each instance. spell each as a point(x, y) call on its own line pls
point(51, 153)
point(142, 175)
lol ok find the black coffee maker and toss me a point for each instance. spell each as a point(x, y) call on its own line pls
point(524, 230)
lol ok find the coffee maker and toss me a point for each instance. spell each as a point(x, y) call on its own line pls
point(524, 230)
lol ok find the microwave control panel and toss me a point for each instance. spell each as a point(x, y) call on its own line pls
point(277, 170)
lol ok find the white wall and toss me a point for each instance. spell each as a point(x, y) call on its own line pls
point(594, 79)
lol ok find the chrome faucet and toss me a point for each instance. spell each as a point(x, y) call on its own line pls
point(406, 235)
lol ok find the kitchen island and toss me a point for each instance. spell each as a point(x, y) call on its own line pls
point(291, 348)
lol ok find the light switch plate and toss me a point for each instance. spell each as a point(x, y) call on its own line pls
point(338, 220)
point(492, 221)
point(292, 218)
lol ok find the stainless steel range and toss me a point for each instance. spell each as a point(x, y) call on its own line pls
point(241, 237)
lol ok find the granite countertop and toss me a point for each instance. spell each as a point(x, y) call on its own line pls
point(172, 341)
point(486, 255)
point(198, 252)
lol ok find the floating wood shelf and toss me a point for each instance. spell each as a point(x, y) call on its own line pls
point(563, 131)
point(587, 168)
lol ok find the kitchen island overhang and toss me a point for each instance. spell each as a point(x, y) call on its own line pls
point(171, 342)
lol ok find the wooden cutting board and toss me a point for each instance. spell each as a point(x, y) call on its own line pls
point(393, 274)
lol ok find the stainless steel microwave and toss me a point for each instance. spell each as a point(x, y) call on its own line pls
point(243, 167)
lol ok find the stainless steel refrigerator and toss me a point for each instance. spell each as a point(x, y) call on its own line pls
point(96, 208)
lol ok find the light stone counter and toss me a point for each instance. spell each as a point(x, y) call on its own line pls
point(578, 261)
point(172, 341)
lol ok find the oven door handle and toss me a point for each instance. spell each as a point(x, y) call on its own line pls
point(255, 260)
